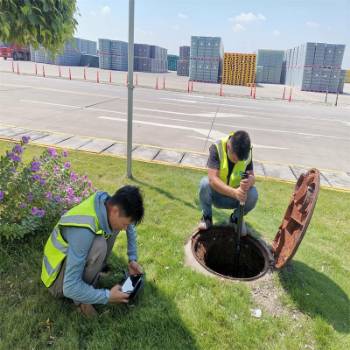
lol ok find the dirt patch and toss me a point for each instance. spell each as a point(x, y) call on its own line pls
point(267, 296)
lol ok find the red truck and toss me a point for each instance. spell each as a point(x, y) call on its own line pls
point(15, 52)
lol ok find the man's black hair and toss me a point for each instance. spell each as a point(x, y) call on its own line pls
point(129, 200)
point(240, 143)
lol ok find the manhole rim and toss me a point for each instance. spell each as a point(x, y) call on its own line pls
point(259, 243)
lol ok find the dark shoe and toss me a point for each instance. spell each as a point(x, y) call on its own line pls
point(205, 223)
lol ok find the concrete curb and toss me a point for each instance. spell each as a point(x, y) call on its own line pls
point(181, 158)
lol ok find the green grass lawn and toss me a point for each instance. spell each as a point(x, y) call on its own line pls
point(180, 308)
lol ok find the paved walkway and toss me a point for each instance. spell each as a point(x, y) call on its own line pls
point(331, 179)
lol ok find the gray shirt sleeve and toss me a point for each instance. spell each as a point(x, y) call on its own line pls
point(132, 242)
point(213, 160)
point(80, 241)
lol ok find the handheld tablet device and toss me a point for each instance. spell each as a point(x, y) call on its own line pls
point(132, 285)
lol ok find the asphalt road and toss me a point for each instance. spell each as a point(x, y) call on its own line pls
point(307, 134)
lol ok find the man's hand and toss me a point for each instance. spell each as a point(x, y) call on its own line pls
point(240, 195)
point(134, 268)
point(116, 296)
point(247, 183)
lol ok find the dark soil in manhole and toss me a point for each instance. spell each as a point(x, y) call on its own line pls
point(215, 250)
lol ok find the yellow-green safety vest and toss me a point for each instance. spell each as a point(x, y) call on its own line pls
point(239, 167)
point(55, 251)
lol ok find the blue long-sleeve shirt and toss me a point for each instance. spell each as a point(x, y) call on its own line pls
point(80, 241)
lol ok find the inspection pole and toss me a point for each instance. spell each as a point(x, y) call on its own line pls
point(130, 85)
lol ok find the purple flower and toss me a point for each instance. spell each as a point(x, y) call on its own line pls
point(65, 153)
point(42, 182)
point(23, 205)
point(77, 200)
point(36, 177)
point(30, 197)
point(35, 166)
point(67, 165)
point(25, 139)
point(89, 183)
point(14, 157)
point(48, 195)
point(18, 149)
point(70, 192)
point(38, 212)
point(2, 195)
point(57, 199)
point(56, 169)
point(34, 210)
point(73, 176)
point(52, 152)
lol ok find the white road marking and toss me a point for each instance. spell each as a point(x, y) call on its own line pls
point(60, 90)
point(50, 104)
point(149, 116)
point(124, 113)
point(283, 131)
point(255, 145)
point(169, 126)
point(178, 100)
point(136, 100)
point(217, 135)
point(204, 115)
point(210, 103)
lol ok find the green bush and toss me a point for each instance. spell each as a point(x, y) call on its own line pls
point(33, 196)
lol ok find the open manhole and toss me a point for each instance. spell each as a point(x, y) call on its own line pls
point(214, 249)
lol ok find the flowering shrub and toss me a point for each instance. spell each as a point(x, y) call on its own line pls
point(33, 196)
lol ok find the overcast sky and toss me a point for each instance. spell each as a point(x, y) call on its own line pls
point(245, 26)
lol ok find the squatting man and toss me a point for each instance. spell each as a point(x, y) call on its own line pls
point(78, 248)
point(229, 158)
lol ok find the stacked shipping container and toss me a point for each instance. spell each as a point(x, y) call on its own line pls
point(159, 59)
point(315, 66)
point(206, 59)
point(172, 62)
point(147, 58)
point(183, 64)
point(71, 56)
point(87, 47)
point(113, 54)
point(269, 66)
point(239, 68)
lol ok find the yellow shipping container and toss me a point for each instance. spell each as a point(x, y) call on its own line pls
point(347, 76)
point(239, 68)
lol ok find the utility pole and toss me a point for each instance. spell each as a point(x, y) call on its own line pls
point(130, 85)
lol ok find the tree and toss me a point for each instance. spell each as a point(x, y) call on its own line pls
point(49, 23)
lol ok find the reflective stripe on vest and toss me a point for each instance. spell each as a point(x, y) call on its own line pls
point(55, 251)
point(238, 168)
